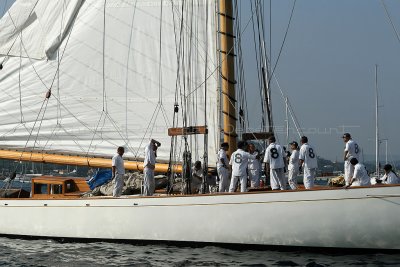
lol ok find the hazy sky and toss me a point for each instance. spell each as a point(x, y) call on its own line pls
point(327, 70)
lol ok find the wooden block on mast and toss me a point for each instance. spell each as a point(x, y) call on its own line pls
point(256, 136)
point(188, 130)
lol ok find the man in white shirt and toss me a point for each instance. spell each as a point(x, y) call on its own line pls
point(149, 166)
point(351, 150)
point(293, 165)
point(239, 161)
point(254, 167)
point(390, 177)
point(360, 175)
point(222, 168)
point(275, 163)
point(118, 171)
point(308, 160)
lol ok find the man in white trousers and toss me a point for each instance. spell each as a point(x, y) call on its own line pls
point(239, 161)
point(351, 150)
point(222, 168)
point(118, 171)
point(254, 167)
point(308, 160)
point(275, 163)
point(293, 166)
point(149, 166)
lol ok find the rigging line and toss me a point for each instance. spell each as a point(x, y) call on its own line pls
point(76, 118)
point(193, 75)
point(147, 129)
point(164, 113)
point(30, 59)
point(205, 69)
point(183, 86)
point(390, 19)
point(222, 59)
point(22, 44)
point(177, 83)
point(155, 119)
point(59, 63)
point(40, 126)
point(241, 75)
point(94, 134)
point(127, 70)
point(270, 40)
point(160, 57)
point(178, 47)
point(62, 55)
point(30, 133)
point(16, 37)
point(104, 52)
point(119, 131)
point(263, 119)
point(19, 82)
point(14, 129)
point(238, 70)
point(284, 40)
point(53, 134)
point(240, 56)
point(187, 30)
point(205, 142)
point(292, 114)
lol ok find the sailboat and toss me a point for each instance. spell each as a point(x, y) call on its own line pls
point(80, 78)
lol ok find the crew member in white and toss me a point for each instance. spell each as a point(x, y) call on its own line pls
point(254, 167)
point(239, 161)
point(275, 163)
point(118, 171)
point(390, 177)
point(150, 154)
point(360, 175)
point(222, 168)
point(293, 165)
point(308, 160)
point(351, 150)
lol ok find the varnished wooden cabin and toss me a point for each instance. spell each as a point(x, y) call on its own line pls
point(58, 187)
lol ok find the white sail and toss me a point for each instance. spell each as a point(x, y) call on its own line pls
point(113, 78)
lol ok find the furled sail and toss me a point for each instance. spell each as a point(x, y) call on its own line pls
point(116, 70)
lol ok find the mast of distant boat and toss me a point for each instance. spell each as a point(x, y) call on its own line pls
point(376, 123)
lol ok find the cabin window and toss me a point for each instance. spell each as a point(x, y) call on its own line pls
point(40, 188)
point(69, 187)
point(56, 189)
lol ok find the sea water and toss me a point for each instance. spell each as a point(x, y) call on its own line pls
point(44, 252)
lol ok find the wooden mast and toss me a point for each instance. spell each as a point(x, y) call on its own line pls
point(228, 73)
point(78, 160)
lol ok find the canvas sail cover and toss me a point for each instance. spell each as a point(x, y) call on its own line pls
point(116, 70)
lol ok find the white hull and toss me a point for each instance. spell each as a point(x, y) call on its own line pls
point(354, 218)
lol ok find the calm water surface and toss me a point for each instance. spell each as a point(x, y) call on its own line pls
point(20, 252)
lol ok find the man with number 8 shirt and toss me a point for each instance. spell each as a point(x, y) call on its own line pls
point(351, 150)
point(239, 161)
point(308, 160)
point(275, 163)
